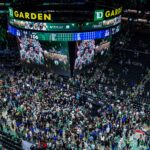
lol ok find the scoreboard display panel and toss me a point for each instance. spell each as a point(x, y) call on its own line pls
point(64, 41)
point(50, 55)
point(76, 36)
point(88, 51)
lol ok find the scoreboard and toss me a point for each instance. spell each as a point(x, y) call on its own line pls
point(71, 36)
point(64, 41)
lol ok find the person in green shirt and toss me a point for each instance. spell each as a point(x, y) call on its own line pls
point(1, 147)
point(128, 144)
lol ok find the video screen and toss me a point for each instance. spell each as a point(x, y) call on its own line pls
point(56, 55)
point(53, 56)
point(88, 50)
point(112, 22)
point(29, 25)
point(31, 50)
point(44, 26)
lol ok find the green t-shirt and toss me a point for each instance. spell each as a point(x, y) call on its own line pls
point(0, 147)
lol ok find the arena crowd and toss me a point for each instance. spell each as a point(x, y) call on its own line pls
point(51, 112)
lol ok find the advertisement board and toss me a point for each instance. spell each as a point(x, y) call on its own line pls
point(46, 15)
point(29, 15)
point(106, 14)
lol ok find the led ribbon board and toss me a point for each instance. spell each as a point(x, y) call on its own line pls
point(45, 36)
point(44, 26)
